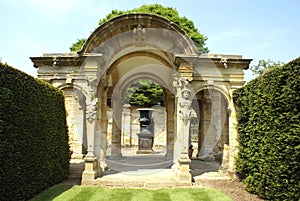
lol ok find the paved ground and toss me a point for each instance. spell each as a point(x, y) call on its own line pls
point(152, 171)
point(147, 170)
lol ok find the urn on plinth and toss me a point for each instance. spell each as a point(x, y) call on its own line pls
point(146, 134)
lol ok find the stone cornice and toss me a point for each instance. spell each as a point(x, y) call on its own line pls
point(62, 59)
point(218, 60)
point(57, 60)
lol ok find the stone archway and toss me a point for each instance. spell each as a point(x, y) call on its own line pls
point(143, 46)
point(140, 66)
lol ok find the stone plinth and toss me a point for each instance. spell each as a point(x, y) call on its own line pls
point(89, 174)
point(182, 168)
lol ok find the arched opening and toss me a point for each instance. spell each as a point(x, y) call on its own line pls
point(76, 114)
point(210, 136)
point(123, 124)
point(130, 158)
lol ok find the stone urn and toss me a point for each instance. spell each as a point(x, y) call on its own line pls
point(146, 134)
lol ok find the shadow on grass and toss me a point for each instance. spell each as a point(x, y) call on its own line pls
point(52, 192)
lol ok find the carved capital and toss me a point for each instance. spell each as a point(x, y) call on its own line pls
point(92, 80)
point(186, 71)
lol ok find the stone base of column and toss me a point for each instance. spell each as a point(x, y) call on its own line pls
point(77, 156)
point(90, 171)
point(115, 156)
point(169, 154)
point(225, 158)
point(144, 152)
point(182, 168)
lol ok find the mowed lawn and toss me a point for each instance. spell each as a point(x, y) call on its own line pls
point(65, 192)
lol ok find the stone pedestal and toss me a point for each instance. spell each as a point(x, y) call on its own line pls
point(182, 168)
point(89, 174)
point(145, 142)
point(146, 135)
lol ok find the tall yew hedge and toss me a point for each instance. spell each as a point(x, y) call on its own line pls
point(34, 150)
point(269, 133)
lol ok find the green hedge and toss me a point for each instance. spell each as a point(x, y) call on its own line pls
point(269, 133)
point(34, 150)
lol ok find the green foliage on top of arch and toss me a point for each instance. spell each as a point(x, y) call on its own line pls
point(157, 9)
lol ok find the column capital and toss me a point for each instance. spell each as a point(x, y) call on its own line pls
point(186, 71)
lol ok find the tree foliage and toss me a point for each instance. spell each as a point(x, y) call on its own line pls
point(269, 133)
point(78, 45)
point(157, 9)
point(144, 93)
point(264, 66)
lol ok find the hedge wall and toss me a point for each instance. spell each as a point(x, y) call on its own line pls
point(269, 133)
point(34, 150)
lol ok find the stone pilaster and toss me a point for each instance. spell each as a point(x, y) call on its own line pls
point(90, 171)
point(126, 125)
point(233, 133)
point(170, 127)
point(116, 141)
point(103, 132)
point(184, 114)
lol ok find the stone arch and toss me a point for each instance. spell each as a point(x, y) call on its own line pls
point(217, 88)
point(213, 138)
point(138, 22)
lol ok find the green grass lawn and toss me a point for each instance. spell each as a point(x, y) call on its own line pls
point(65, 192)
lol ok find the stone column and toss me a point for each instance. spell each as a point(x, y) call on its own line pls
point(126, 125)
point(170, 126)
point(70, 119)
point(184, 114)
point(90, 172)
point(116, 141)
point(116, 130)
point(103, 132)
point(79, 120)
point(233, 133)
point(75, 120)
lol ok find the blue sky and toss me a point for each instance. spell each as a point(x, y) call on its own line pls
point(256, 29)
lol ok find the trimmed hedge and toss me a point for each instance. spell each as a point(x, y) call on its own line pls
point(34, 150)
point(269, 133)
